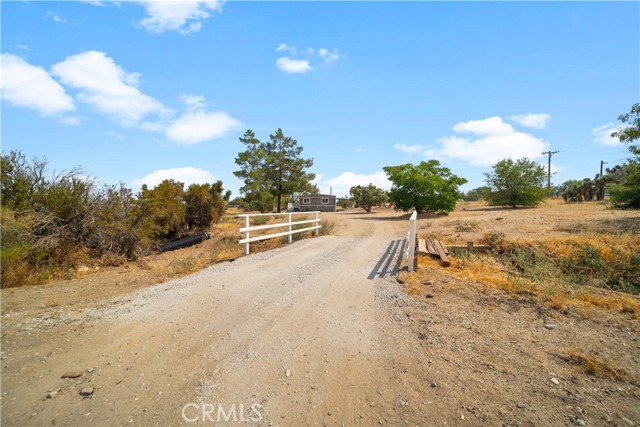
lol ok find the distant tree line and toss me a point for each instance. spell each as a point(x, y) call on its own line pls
point(53, 222)
point(522, 182)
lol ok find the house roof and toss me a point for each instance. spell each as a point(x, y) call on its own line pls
point(317, 195)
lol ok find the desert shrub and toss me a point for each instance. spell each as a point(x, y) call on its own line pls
point(54, 222)
point(162, 212)
point(204, 205)
point(184, 265)
point(327, 228)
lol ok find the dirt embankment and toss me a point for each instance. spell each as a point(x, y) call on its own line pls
point(315, 333)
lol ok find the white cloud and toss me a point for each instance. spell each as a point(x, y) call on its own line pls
point(200, 126)
point(328, 56)
point(602, 134)
point(186, 175)
point(487, 151)
point(182, 16)
point(56, 18)
point(536, 121)
point(289, 65)
point(283, 47)
point(491, 126)
point(342, 183)
point(28, 86)
point(107, 87)
point(493, 141)
point(292, 63)
point(415, 148)
point(193, 102)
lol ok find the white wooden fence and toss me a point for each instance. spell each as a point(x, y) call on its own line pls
point(247, 239)
point(411, 240)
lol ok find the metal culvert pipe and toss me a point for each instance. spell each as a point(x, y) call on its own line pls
point(185, 242)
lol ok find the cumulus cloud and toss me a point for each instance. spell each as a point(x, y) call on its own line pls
point(489, 150)
point(415, 148)
point(28, 86)
point(493, 140)
point(107, 87)
point(536, 121)
point(342, 183)
point(182, 16)
point(491, 126)
point(602, 134)
point(200, 126)
point(327, 55)
point(293, 66)
point(186, 175)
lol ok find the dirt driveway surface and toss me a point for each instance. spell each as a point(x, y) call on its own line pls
point(315, 333)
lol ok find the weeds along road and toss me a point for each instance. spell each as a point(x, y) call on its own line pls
point(296, 336)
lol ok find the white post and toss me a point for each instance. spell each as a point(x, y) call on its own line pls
point(412, 239)
point(246, 235)
point(317, 230)
point(290, 236)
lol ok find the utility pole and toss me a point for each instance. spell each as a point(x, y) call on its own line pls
point(601, 189)
point(550, 153)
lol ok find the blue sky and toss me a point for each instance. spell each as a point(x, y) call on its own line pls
point(141, 91)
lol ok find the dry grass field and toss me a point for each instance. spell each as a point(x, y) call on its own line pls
point(579, 255)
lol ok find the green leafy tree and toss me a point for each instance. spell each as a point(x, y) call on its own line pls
point(627, 194)
point(368, 196)
point(631, 132)
point(426, 187)
point(516, 183)
point(476, 194)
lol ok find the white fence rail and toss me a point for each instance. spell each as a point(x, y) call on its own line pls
point(411, 240)
point(246, 230)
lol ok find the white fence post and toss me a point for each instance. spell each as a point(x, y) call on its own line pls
point(246, 235)
point(316, 218)
point(412, 239)
point(290, 228)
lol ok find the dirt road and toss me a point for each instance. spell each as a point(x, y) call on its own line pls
point(292, 336)
point(315, 333)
